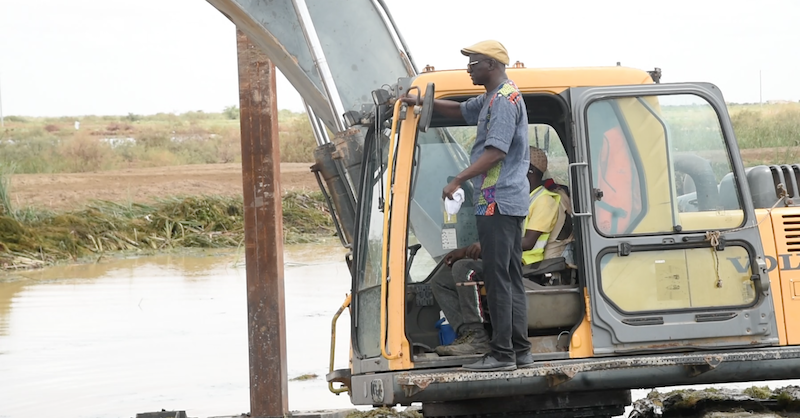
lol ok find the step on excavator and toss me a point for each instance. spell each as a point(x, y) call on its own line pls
point(686, 263)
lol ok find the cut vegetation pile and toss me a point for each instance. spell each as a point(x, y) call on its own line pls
point(711, 402)
point(30, 239)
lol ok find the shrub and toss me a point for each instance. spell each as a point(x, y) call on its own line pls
point(231, 112)
point(83, 153)
point(296, 139)
point(766, 127)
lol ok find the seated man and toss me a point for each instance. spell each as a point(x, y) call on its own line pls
point(461, 303)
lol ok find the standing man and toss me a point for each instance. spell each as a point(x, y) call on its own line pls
point(499, 164)
point(457, 293)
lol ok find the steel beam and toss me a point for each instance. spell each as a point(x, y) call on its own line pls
point(263, 231)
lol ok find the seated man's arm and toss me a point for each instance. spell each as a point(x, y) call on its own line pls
point(541, 220)
point(530, 238)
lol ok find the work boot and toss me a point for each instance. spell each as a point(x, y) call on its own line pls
point(490, 364)
point(474, 341)
point(465, 337)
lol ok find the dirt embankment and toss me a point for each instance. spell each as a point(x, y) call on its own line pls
point(73, 190)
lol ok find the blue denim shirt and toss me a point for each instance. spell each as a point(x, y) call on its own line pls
point(502, 120)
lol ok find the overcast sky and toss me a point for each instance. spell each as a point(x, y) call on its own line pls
point(103, 57)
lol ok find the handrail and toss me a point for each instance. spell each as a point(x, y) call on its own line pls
point(346, 303)
point(387, 210)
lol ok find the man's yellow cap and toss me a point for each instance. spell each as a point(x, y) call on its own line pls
point(491, 49)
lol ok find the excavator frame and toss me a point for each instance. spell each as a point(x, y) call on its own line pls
point(689, 287)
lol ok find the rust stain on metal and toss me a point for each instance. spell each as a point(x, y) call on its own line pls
point(417, 387)
point(343, 144)
point(663, 346)
point(263, 226)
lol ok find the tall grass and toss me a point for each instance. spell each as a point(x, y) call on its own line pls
point(6, 208)
point(53, 145)
point(769, 126)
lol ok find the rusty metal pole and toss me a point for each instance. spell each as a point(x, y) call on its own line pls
point(263, 232)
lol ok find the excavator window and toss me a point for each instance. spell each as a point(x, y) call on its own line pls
point(369, 245)
point(656, 164)
point(444, 151)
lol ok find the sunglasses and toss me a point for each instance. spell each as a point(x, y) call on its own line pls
point(476, 62)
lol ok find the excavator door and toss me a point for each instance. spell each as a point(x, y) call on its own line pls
point(655, 257)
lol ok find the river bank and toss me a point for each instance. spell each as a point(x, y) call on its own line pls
point(34, 238)
point(53, 218)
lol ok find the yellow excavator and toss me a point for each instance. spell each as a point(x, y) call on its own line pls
point(686, 263)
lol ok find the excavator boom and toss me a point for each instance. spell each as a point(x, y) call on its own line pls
point(335, 53)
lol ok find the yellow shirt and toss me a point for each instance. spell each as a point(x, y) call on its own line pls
point(542, 214)
point(542, 217)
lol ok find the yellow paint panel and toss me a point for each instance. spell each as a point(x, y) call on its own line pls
point(553, 80)
point(733, 288)
point(676, 279)
point(399, 199)
point(648, 137)
point(768, 242)
point(706, 221)
point(786, 224)
point(580, 345)
point(654, 280)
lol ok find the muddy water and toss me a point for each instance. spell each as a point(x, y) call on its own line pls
point(137, 335)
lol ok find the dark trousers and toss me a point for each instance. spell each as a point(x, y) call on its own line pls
point(501, 250)
point(461, 304)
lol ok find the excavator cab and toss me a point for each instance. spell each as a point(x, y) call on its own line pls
point(659, 204)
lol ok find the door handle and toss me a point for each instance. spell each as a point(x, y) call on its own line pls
point(571, 189)
point(760, 278)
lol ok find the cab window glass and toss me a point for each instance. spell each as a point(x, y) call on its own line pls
point(660, 164)
point(616, 177)
point(441, 153)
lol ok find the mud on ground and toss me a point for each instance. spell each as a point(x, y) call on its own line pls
point(73, 190)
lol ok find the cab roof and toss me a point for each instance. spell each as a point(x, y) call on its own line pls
point(551, 80)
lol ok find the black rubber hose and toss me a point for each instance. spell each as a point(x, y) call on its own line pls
point(699, 169)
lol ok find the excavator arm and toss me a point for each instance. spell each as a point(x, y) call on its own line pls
point(335, 54)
